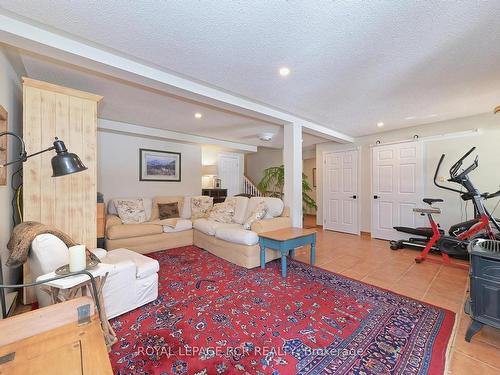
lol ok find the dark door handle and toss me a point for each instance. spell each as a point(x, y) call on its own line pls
point(375, 197)
point(354, 197)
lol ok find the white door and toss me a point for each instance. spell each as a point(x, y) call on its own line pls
point(397, 188)
point(340, 191)
point(229, 173)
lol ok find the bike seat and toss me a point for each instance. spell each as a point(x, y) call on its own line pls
point(431, 200)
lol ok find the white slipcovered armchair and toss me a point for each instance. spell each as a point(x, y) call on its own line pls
point(131, 283)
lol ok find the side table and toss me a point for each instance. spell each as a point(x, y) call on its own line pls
point(286, 240)
point(79, 285)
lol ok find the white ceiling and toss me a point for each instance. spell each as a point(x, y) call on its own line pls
point(353, 63)
point(129, 103)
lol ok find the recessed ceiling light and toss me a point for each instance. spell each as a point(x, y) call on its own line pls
point(284, 71)
point(380, 124)
point(198, 115)
point(410, 118)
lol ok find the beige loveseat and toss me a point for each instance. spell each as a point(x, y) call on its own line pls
point(228, 241)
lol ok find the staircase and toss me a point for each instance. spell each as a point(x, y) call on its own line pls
point(250, 188)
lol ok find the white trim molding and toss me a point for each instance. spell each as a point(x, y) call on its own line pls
point(146, 132)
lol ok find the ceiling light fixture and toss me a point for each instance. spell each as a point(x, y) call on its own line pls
point(410, 118)
point(380, 124)
point(198, 115)
point(284, 71)
point(266, 136)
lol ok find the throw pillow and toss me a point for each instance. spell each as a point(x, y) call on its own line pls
point(258, 213)
point(168, 210)
point(131, 211)
point(222, 212)
point(200, 206)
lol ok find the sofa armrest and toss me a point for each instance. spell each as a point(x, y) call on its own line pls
point(112, 220)
point(267, 225)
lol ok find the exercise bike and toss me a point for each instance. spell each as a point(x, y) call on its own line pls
point(456, 243)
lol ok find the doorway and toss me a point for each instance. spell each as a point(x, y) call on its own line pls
point(340, 191)
point(397, 187)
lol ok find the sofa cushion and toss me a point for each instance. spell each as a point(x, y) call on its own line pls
point(200, 206)
point(155, 213)
point(237, 235)
point(240, 209)
point(145, 266)
point(168, 210)
point(274, 206)
point(131, 211)
point(209, 226)
point(147, 202)
point(222, 212)
point(181, 225)
point(186, 208)
point(132, 230)
point(258, 214)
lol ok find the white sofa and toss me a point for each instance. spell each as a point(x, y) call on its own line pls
point(234, 243)
point(228, 241)
point(131, 283)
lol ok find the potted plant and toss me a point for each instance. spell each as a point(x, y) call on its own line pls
point(273, 182)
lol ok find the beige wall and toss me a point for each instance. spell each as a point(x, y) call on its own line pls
point(118, 167)
point(256, 162)
point(11, 100)
point(307, 169)
point(486, 176)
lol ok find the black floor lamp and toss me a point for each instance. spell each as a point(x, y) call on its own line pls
point(63, 163)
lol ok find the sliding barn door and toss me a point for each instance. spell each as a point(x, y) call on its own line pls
point(397, 188)
point(67, 202)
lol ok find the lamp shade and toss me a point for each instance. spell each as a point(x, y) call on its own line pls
point(65, 162)
point(209, 170)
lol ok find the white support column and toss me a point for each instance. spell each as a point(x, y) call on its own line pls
point(292, 159)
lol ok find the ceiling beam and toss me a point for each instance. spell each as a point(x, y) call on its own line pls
point(147, 132)
point(28, 36)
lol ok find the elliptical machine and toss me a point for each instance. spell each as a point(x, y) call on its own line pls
point(460, 234)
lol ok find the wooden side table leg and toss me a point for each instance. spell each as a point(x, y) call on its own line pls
point(109, 333)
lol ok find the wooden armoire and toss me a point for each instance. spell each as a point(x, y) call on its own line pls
point(68, 202)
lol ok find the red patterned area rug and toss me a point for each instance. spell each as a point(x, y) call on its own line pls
point(212, 317)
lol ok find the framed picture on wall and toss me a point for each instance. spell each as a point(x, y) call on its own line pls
point(314, 177)
point(156, 165)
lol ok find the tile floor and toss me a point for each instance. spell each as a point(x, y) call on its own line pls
point(371, 261)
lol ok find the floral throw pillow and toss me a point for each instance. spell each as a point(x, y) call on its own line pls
point(130, 211)
point(200, 206)
point(258, 213)
point(223, 212)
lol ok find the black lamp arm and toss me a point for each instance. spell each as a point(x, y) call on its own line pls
point(23, 156)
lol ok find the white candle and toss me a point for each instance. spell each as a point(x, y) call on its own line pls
point(77, 258)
